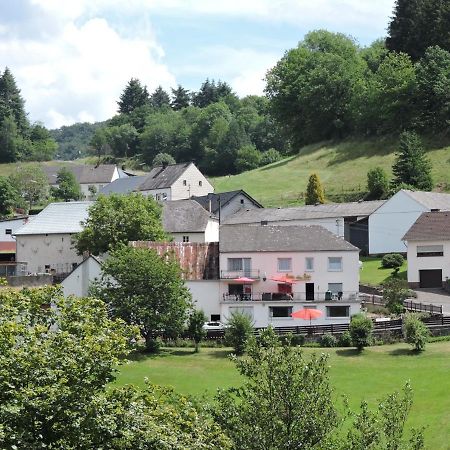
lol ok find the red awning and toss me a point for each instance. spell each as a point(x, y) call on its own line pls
point(244, 280)
point(284, 279)
point(7, 247)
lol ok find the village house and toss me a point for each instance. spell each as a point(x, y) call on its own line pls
point(90, 177)
point(8, 227)
point(82, 276)
point(167, 182)
point(428, 251)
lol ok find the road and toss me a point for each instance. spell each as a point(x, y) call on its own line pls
point(435, 297)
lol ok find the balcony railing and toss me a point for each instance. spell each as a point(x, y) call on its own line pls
point(235, 274)
point(295, 297)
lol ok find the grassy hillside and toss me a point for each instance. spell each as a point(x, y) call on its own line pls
point(342, 169)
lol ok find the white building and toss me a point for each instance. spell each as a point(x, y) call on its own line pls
point(168, 182)
point(8, 227)
point(269, 272)
point(46, 242)
point(187, 221)
point(78, 281)
point(428, 244)
point(91, 178)
point(389, 223)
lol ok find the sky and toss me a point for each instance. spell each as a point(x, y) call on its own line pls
point(72, 59)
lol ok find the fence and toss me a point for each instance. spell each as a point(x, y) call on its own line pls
point(409, 305)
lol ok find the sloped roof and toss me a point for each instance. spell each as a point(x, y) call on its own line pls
point(57, 218)
point(122, 185)
point(161, 177)
point(289, 238)
point(184, 216)
point(430, 226)
point(431, 200)
point(327, 210)
point(224, 198)
point(84, 173)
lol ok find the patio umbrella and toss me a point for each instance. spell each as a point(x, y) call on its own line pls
point(283, 279)
point(244, 280)
point(307, 314)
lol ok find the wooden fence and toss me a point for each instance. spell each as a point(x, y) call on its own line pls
point(409, 305)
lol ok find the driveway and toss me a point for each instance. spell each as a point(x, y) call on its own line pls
point(435, 297)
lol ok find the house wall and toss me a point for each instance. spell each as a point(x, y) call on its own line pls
point(40, 250)
point(211, 234)
point(206, 295)
point(159, 192)
point(193, 237)
point(192, 188)
point(77, 282)
point(237, 203)
point(427, 262)
point(389, 223)
point(85, 189)
point(14, 225)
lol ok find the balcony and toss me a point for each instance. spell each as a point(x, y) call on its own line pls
point(294, 297)
point(235, 274)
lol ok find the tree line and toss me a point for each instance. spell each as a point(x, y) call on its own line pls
point(20, 140)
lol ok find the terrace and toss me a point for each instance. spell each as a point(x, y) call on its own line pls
point(293, 297)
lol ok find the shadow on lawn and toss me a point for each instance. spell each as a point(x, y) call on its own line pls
point(349, 352)
point(404, 352)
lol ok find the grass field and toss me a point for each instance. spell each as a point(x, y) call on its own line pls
point(341, 167)
point(372, 375)
point(373, 274)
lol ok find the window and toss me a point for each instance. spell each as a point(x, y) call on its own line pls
point(8, 231)
point(215, 317)
point(280, 311)
point(335, 264)
point(335, 288)
point(161, 197)
point(264, 222)
point(430, 250)
point(184, 183)
point(47, 268)
point(338, 311)
point(284, 264)
point(309, 264)
point(247, 310)
point(242, 201)
point(200, 183)
point(185, 238)
point(239, 264)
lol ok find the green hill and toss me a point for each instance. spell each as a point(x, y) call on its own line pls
point(342, 168)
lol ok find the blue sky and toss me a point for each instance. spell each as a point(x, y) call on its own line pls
point(73, 58)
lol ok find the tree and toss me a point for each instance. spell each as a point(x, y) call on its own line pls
point(122, 139)
point(415, 331)
point(145, 290)
point(395, 292)
point(163, 158)
point(195, 328)
point(206, 95)
point(31, 183)
point(361, 328)
point(57, 359)
point(99, 142)
point(392, 261)
point(118, 219)
point(68, 187)
point(9, 140)
point(286, 402)
point(160, 98)
point(238, 332)
point(377, 184)
point(133, 96)
point(314, 191)
point(412, 166)
point(180, 98)
point(11, 102)
point(9, 197)
point(270, 156)
point(43, 146)
point(248, 158)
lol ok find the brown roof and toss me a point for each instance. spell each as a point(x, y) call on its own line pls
point(430, 226)
point(84, 174)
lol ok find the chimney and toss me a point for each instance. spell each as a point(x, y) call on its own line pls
point(164, 164)
point(435, 210)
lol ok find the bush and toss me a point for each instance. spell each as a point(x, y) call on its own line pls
point(270, 157)
point(361, 328)
point(328, 340)
point(345, 339)
point(247, 158)
point(239, 330)
point(395, 292)
point(163, 158)
point(392, 261)
point(415, 332)
point(377, 184)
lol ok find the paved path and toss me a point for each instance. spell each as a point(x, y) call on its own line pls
point(435, 297)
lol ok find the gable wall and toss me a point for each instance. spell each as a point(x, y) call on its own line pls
point(192, 176)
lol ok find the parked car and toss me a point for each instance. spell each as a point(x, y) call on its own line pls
point(215, 325)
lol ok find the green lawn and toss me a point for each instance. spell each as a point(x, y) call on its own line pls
point(373, 274)
point(370, 376)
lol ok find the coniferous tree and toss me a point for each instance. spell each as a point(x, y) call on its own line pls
point(206, 95)
point(9, 140)
point(412, 166)
point(180, 98)
point(133, 96)
point(314, 191)
point(160, 98)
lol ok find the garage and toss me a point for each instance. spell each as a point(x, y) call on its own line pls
point(430, 278)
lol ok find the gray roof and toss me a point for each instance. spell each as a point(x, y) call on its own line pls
point(161, 177)
point(327, 210)
point(57, 218)
point(122, 185)
point(184, 216)
point(431, 200)
point(224, 197)
point(289, 238)
point(84, 173)
point(430, 226)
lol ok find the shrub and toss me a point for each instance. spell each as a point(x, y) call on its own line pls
point(247, 158)
point(298, 339)
point(239, 330)
point(163, 158)
point(377, 183)
point(415, 332)
point(392, 261)
point(328, 340)
point(361, 328)
point(270, 156)
point(395, 292)
point(195, 327)
point(345, 339)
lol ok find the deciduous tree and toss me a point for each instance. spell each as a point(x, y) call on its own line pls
point(9, 197)
point(31, 182)
point(68, 186)
point(377, 184)
point(195, 328)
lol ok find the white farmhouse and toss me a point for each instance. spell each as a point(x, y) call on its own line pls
point(46, 242)
point(389, 223)
point(79, 280)
point(269, 272)
point(428, 243)
point(167, 182)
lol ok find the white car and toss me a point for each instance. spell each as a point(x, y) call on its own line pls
point(215, 325)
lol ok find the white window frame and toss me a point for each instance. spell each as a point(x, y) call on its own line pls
point(332, 269)
point(289, 269)
point(309, 258)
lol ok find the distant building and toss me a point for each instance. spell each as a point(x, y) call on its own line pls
point(79, 280)
point(8, 227)
point(168, 182)
point(428, 245)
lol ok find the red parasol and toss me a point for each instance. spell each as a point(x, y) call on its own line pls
point(283, 279)
point(307, 314)
point(243, 280)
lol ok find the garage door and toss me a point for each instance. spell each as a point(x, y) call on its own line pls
point(430, 278)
